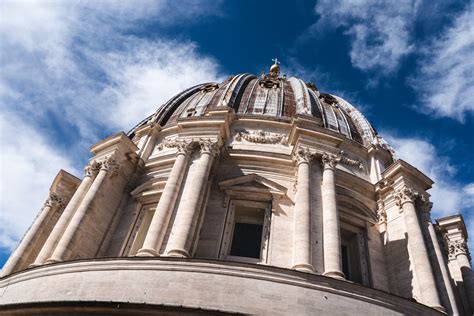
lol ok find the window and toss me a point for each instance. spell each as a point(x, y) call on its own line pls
point(246, 232)
point(141, 229)
point(354, 261)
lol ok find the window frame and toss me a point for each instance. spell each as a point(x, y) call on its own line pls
point(227, 237)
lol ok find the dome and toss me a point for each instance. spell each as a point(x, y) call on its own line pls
point(269, 95)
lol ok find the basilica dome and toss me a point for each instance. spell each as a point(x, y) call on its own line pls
point(272, 96)
point(258, 195)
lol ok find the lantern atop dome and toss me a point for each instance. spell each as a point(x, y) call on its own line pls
point(275, 68)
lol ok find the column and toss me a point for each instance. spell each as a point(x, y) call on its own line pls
point(302, 216)
point(22, 252)
point(90, 172)
point(187, 213)
point(63, 248)
point(164, 209)
point(458, 249)
point(419, 255)
point(425, 208)
point(331, 231)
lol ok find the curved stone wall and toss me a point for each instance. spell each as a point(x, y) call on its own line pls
point(190, 286)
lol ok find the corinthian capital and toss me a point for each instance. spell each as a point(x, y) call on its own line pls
point(91, 169)
point(182, 146)
point(208, 147)
point(457, 247)
point(302, 154)
point(423, 204)
point(54, 200)
point(405, 195)
point(330, 161)
point(110, 165)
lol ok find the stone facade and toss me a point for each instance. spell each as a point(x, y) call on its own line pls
point(254, 196)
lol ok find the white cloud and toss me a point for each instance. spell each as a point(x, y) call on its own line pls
point(74, 68)
point(448, 195)
point(28, 165)
point(379, 30)
point(445, 80)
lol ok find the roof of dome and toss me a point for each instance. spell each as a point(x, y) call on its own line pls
point(269, 95)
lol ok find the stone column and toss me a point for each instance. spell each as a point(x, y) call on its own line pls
point(164, 209)
point(458, 249)
point(90, 172)
point(73, 229)
point(302, 217)
point(187, 213)
point(418, 255)
point(331, 231)
point(51, 205)
point(425, 208)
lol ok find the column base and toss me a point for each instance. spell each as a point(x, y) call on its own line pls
point(52, 260)
point(439, 308)
point(303, 267)
point(147, 252)
point(179, 253)
point(335, 275)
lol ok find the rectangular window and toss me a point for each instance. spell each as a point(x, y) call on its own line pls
point(244, 236)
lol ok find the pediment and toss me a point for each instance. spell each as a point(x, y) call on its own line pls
point(252, 183)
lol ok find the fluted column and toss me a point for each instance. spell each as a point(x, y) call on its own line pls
point(419, 255)
point(51, 205)
point(331, 231)
point(90, 172)
point(187, 213)
point(302, 217)
point(62, 249)
point(164, 209)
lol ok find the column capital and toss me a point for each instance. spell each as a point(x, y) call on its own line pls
point(302, 155)
point(92, 169)
point(405, 195)
point(208, 146)
point(183, 146)
point(457, 247)
point(423, 204)
point(54, 200)
point(330, 161)
point(110, 165)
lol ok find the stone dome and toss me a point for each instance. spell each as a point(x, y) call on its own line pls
point(271, 95)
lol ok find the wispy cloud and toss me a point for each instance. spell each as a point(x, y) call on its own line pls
point(380, 31)
point(448, 195)
point(72, 72)
point(445, 80)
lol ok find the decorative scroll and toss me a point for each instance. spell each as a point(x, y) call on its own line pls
point(261, 137)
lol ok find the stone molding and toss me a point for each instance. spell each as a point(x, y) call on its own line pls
point(261, 137)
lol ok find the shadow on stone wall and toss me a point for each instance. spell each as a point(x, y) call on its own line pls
point(398, 266)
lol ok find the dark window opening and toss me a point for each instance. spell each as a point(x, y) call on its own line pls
point(247, 240)
point(350, 255)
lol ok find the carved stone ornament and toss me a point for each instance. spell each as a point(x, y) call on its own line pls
point(183, 146)
point(54, 200)
point(405, 195)
point(208, 146)
point(458, 247)
point(331, 160)
point(110, 165)
point(381, 213)
point(423, 204)
point(303, 154)
point(92, 169)
point(209, 87)
point(261, 137)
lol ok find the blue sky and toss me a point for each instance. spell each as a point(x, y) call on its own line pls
point(74, 72)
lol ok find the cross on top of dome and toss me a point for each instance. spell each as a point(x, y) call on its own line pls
point(275, 68)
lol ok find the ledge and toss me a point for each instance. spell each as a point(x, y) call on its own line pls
point(211, 285)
